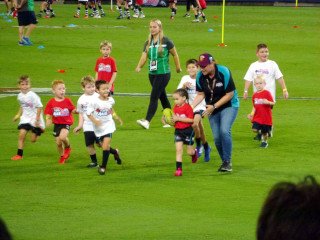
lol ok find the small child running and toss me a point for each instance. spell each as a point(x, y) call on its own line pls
point(100, 113)
point(261, 115)
point(30, 114)
point(59, 111)
point(89, 96)
point(183, 120)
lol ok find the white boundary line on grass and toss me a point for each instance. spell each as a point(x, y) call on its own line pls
point(47, 92)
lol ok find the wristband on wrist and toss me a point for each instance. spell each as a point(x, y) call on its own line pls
point(284, 90)
point(246, 91)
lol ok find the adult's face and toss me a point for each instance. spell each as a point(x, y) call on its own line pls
point(154, 28)
point(208, 70)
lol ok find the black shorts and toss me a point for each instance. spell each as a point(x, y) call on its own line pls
point(262, 127)
point(90, 138)
point(109, 135)
point(49, 2)
point(185, 135)
point(58, 127)
point(26, 18)
point(198, 112)
point(28, 127)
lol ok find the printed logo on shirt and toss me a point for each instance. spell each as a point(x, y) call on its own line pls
point(104, 68)
point(103, 112)
point(219, 84)
point(59, 112)
point(27, 104)
point(181, 115)
point(261, 71)
point(258, 101)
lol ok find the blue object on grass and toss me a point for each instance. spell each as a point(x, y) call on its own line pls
point(71, 25)
point(40, 47)
point(210, 30)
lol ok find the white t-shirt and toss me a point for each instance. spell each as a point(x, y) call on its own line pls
point(83, 102)
point(102, 110)
point(30, 102)
point(270, 72)
point(192, 92)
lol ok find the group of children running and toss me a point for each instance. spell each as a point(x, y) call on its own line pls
point(96, 111)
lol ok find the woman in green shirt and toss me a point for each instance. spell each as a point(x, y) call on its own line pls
point(156, 50)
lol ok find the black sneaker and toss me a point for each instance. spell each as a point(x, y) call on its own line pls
point(257, 137)
point(225, 167)
point(264, 145)
point(92, 165)
point(117, 157)
point(102, 14)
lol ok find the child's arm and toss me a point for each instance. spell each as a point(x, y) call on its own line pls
point(96, 77)
point(284, 88)
point(94, 120)
point(80, 124)
point(176, 118)
point(116, 117)
point(37, 123)
point(250, 115)
point(18, 115)
point(175, 55)
point(266, 101)
point(142, 61)
point(48, 120)
point(113, 78)
point(246, 88)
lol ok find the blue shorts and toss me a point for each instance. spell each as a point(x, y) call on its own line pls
point(26, 18)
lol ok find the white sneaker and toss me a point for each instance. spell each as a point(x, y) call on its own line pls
point(142, 15)
point(96, 16)
point(196, 20)
point(136, 15)
point(144, 123)
point(166, 126)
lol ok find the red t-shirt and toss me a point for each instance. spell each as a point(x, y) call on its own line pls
point(61, 111)
point(105, 67)
point(184, 111)
point(263, 114)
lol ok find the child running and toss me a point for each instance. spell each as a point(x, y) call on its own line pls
point(188, 82)
point(261, 115)
point(89, 96)
point(30, 114)
point(100, 113)
point(183, 119)
point(59, 111)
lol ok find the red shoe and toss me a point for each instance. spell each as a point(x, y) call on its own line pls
point(194, 157)
point(16, 158)
point(66, 153)
point(178, 172)
point(62, 160)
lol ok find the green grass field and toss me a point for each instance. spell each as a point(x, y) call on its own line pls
point(40, 199)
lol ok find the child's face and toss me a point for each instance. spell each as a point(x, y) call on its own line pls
point(105, 50)
point(263, 54)
point(104, 91)
point(178, 100)
point(192, 70)
point(59, 91)
point(24, 86)
point(89, 88)
point(259, 84)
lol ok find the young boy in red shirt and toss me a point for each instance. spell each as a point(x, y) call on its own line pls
point(106, 68)
point(59, 111)
point(261, 115)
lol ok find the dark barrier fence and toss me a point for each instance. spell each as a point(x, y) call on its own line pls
point(164, 3)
